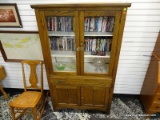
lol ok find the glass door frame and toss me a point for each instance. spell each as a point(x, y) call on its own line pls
point(46, 43)
point(117, 15)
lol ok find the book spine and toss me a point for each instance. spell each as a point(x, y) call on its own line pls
point(63, 43)
point(104, 24)
point(93, 52)
point(55, 23)
point(52, 23)
point(90, 44)
point(92, 24)
point(100, 24)
point(111, 24)
point(87, 24)
point(48, 23)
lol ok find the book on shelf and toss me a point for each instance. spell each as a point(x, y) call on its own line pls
point(86, 24)
point(100, 24)
point(104, 24)
point(110, 24)
point(92, 24)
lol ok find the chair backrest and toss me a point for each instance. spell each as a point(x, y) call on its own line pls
point(32, 72)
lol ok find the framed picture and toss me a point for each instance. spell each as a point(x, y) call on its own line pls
point(18, 46)
point(9, 15)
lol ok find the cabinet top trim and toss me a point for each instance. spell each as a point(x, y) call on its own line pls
point(86, 5)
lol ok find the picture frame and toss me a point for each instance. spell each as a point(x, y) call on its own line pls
point(18, 46)
point(9, 15)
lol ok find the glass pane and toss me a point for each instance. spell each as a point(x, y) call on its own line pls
point(97, 43)
point(62, 43)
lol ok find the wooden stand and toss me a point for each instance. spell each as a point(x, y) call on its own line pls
point(150, 93)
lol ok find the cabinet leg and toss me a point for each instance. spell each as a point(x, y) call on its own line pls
point(107, 112)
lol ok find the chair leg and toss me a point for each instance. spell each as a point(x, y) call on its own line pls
point(34, 111)
point(12, 113)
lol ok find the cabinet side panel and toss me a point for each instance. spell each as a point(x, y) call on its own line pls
point(157, 46)
point(150, 84)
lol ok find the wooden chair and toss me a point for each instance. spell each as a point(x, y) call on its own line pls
point(32, 99)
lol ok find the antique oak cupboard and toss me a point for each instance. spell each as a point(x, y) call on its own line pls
point(81, 45)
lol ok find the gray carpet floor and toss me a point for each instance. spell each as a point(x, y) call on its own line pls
point(122, 108)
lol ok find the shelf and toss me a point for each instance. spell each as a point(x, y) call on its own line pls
point(98, 34)
point(72, 54)
point(59, 33)
point(57, 53)
point(63, 54)
point(88, 55)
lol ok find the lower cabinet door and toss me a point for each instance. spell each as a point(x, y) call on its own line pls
point(67, 95)
point(94, 96)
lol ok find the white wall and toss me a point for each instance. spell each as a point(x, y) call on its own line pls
point(140, 34)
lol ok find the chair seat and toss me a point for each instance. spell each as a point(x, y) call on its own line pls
point(26, 99)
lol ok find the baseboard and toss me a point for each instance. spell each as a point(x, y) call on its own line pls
point(18, 90)
point(126, 95)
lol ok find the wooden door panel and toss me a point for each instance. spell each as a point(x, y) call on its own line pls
point(99, 93)
point(87, 96)
point(100, 96)
point(74, 96)
point(94, 96)
point(62, 95)
point(68, 94)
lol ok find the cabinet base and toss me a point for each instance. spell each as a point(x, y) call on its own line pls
point(82, 108)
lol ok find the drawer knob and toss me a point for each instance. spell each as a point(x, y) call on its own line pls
point(157, 107)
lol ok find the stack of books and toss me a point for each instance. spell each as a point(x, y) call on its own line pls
point(99, 24)
point(63, 24)
point(62, 43)
point(98, 46)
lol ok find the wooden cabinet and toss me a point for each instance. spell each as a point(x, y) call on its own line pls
point(81, 45)
point(150, 93)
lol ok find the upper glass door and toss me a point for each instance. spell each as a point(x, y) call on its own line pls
point(98, 37)
point(62, 41)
